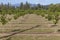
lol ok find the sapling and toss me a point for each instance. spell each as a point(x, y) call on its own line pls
point(56, 19)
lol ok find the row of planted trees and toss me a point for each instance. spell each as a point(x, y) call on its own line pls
point(50, 12)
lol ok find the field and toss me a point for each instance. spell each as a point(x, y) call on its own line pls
point(30, 27)
point(27, 22)
point(35, 37)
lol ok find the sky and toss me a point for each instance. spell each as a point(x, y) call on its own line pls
point(43, 2)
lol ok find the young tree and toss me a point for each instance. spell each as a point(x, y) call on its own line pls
point(56, 19)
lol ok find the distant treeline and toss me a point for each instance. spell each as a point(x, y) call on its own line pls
point(28, 6)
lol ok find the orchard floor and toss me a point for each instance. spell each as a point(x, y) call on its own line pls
point(30, 27)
